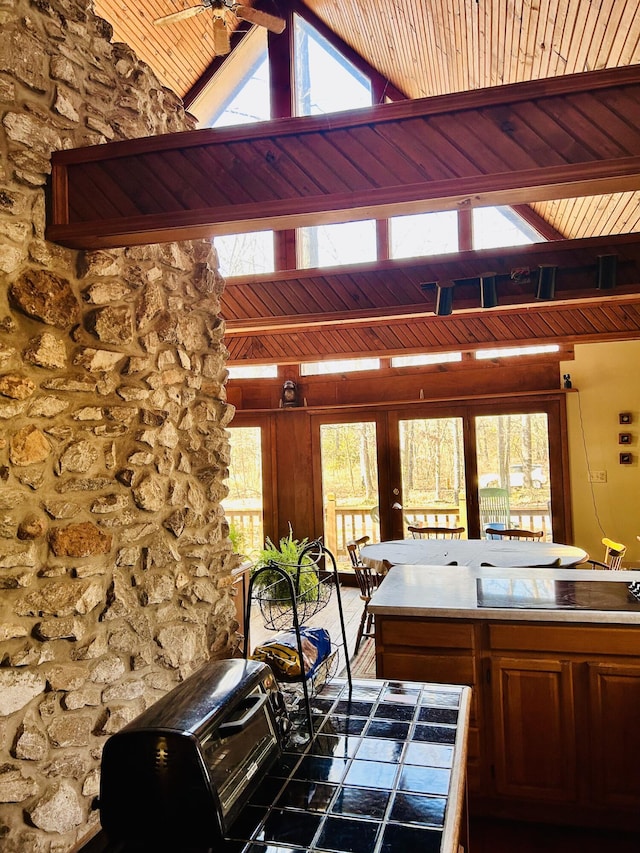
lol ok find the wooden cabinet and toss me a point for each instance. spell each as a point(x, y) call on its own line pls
point(554, 713)
point(533, 729)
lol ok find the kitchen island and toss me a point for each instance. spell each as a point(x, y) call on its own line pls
point(553, 657)
point(384, 772)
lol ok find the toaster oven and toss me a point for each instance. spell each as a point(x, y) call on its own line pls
point(183, 769)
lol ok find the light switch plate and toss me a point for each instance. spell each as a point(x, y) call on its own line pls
point(597, 476)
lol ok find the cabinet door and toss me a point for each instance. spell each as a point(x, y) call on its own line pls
point(533, 729)
point(614, 743)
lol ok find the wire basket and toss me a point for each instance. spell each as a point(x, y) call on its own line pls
point(276, 603)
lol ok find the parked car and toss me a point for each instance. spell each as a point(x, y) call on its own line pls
point(516, 478)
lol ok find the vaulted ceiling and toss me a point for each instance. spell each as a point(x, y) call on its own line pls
point(425, 48)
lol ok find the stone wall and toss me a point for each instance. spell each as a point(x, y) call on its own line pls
point(114, 554)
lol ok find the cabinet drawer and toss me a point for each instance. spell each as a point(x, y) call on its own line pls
point(581, 640)
point(442, 669)
point(423, 633)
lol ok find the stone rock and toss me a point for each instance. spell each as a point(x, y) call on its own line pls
point(87, 696)
point(88, 413)
point(112, 324)
point(106, 292)
point(28, 446)
point(15, 386)
point(60, 810)
point(149, 305)
point(18, 688)
point(14, 787)
point(99, 263)
point(32, 477)
point(158, 588)
point(122, 414)
point(46, 351)
point(31, 743)
point(47, 407)
point(150, 493)
point(10, 258)
point(124, 692)
point(78, 457)
point(46, 297)
point(11, 410)
point(12, 632)
point(70, 730)
point(95, 360)
point(69, 676)
point(62, 69)
point(181, 644)
point(119, 716)
point(71, 765)
point(68, 383)
point(61, 598)
point(79, 540)
point(22, 55)
point(66, 104)
point(108, 670)
point(32, 527)
point(91, 785)
point(17, 555)
point(64, 628)
point(60, 509)
point(176, 522)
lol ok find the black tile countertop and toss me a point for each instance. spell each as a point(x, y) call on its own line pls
point(383, 772)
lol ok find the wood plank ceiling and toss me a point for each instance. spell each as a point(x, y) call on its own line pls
point(426, 48)
point(433, 47)
point(503, 145)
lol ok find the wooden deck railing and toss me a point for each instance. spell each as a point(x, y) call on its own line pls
point(343, 525)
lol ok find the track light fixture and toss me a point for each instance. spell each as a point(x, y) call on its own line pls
point(546, 287)
point(444, 298)
point(488, 290)
point(607, 272)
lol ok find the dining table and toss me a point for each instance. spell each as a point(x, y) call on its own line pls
point(504, 553)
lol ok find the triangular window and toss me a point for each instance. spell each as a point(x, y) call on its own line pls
point(494, 227)
point(325, 81)
point(239, 92)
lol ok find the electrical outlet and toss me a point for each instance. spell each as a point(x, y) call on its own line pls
point(597, 476)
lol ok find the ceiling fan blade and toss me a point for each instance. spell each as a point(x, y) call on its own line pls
point(179, 16)
point(221, 39)
point(262, 19)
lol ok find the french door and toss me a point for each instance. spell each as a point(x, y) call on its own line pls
point(436, 465)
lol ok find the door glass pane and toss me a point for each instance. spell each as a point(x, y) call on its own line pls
point(243, 505)
point(513, 472)
point(432, 470)
point(349, 485)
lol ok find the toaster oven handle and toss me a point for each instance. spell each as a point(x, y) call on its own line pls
point(255, 705)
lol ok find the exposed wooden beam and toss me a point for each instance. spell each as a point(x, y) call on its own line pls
point(505, 145)
point(404, 288)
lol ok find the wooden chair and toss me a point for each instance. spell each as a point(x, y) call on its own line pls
point(353, 548)
point(613, 554)
point(368, 581)
point(435, 532)
point(515, 533)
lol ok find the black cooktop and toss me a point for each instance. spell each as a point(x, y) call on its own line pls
point(374, 778)
point(550, 594)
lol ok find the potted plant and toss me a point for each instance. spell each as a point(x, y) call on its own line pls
point(287, 555)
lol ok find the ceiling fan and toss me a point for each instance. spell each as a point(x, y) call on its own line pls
point(224, 11)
